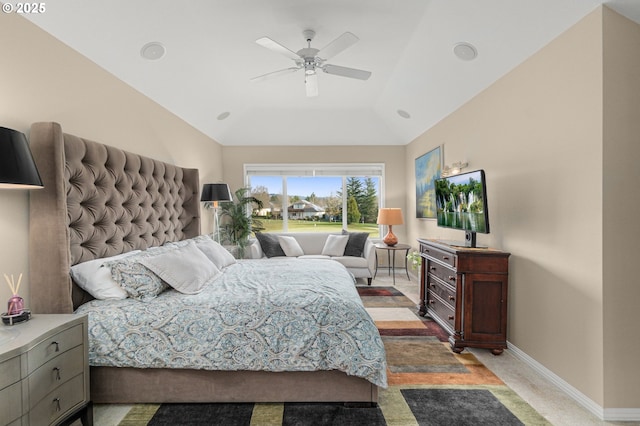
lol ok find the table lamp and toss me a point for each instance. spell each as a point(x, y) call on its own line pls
point(390, 217)
point(216, 192)
point(17, 170)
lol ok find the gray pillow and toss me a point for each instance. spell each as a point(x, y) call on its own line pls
point(355, 245)
point(270, 244)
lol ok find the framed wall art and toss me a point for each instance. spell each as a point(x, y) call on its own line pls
point(428, 169)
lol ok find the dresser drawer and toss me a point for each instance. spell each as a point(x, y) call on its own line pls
point(448, 295)
point(59, 402)
point(53, 346)
point(445, 273)
point(9, 372)
point(439, 255)
point(11, 403)
point(438, 308)
point(54, 373)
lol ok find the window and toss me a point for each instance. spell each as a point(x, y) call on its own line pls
point(313, 197)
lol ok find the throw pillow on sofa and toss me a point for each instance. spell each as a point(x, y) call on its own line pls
point(290, 246)
point(355, 245)
point(270, 245)
point(335, 245)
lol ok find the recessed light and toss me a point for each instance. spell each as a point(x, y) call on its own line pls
point(223, 115)
point(404, 114)
point(465, 51)
point(153, 51)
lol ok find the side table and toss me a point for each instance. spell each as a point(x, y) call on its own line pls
point(391, 258)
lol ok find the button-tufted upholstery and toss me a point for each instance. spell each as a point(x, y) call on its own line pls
point(99, 201)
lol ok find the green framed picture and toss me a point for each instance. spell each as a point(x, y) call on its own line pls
point(428, 169)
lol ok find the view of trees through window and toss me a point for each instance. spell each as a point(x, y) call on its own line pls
point(317, 203)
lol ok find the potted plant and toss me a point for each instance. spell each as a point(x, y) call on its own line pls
point(415, 261)
point(237, 223)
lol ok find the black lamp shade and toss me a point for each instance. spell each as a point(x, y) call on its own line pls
point(17, 168)
point(216, 192)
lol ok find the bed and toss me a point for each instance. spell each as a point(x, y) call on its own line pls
point(100, 202)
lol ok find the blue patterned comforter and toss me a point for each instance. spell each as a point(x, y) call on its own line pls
point(270, 315)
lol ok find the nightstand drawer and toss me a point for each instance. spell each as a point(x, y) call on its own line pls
point(53, 346)
point(59, 402)
point(9, 372)
point(11, 403)
point(54, 373)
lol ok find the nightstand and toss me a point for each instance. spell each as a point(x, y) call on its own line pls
point(44, 371)
point(391, 258)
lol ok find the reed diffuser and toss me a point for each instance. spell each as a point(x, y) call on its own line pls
point(16, 303)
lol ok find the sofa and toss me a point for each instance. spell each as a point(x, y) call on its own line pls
point(353, 250)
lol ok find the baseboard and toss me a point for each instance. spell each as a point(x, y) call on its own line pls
point(606, 414)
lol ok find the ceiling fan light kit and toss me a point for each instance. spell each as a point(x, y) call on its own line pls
point(311, 60)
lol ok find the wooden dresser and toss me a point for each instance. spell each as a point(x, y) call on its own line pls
point(44, 371)
point(465, 291)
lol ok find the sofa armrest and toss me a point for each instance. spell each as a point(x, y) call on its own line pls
point(369, 253)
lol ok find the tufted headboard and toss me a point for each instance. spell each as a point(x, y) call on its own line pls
point(98, 201)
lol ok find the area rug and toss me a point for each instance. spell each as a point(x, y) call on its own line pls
point(428, 385)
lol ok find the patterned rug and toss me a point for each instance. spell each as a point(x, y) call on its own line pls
point(428, 385)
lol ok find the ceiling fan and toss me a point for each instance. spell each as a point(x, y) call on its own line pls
point(312, 60)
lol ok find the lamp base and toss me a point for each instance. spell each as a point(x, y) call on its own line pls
point(390, 239)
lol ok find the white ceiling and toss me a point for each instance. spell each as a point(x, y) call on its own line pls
point(211, 55)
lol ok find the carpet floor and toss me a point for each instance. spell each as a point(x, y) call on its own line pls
point(428, 385)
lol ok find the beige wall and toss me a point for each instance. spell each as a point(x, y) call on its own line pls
point(537, 133)
point(393, 157)
point(621, 205)
point(43, 80)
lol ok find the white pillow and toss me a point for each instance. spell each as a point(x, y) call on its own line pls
point(290, 246)
point(335, 245)
point(95, 278)
point(214, 252)
point(186, 268)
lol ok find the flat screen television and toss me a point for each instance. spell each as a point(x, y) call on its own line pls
point(461, 203)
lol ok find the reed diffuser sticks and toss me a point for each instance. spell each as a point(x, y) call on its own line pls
point(12, 285)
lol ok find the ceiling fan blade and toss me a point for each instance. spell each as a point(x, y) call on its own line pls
point(275, 74)
point(311, 84)
point(346, 72)
point(338, 45)
point(277, 47)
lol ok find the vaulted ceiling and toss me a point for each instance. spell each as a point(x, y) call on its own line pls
point(211, 55)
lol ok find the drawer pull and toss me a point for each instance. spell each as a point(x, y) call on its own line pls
point(433, 268)
point(57, 346)
point(452, 277)
point(432, 301)
point(445, 257)
point(452, 298)
point(57, 403)
point(432, 285)
point(450, 317)
point(57, 371)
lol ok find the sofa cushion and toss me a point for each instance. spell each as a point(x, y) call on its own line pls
point(315, 256)
point(351, 261)
point(335, 244)
point(270, 244)
point(355, 245)
point(290, 246)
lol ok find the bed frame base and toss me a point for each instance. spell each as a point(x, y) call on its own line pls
point(134, 385)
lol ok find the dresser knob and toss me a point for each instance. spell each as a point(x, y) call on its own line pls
point(432, 285)
point(57, 371)
point(445, 257)
point(450, 317)
point(452, 298)
point(452, 278)
point(433, 268)
point(431, 302)
point(57, 346)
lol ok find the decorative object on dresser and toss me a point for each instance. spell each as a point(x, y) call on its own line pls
point(390, 217)
point(44, 372)
point(215, 193)
point(465, 291)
